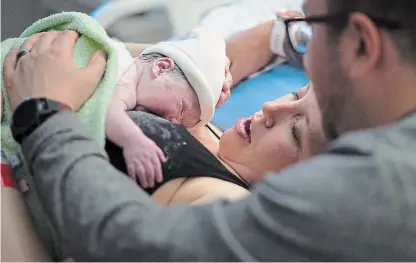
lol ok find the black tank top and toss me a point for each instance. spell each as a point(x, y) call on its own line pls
point(187, 157)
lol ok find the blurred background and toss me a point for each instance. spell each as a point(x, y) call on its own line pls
point(143, 21)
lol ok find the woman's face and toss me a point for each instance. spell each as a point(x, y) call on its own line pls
point(284, 132)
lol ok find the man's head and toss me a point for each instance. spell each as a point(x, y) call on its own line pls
point(363, 63)
point(164, 90)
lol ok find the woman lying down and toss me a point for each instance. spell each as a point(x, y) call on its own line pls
point(200, 169)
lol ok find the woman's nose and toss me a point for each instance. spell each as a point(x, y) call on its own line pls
point(278, 110)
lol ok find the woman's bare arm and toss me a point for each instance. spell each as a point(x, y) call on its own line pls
point(136, 49)
point(249, 51)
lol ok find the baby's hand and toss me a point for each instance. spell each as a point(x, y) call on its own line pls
point(144, 160)
point(228, 82)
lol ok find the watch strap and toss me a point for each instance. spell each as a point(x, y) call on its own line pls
point(277, 38)
point(44, 109)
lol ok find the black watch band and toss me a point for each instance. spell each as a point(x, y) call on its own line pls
point(31, 113)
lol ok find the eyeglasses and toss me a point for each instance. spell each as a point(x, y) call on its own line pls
point(299, 30)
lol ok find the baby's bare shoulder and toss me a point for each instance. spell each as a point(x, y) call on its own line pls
point(126, 87)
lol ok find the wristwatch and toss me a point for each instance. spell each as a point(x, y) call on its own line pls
point(277, 37)
point(31, 113)
point(279, 41)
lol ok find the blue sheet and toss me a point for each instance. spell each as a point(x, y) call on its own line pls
point(249, 96)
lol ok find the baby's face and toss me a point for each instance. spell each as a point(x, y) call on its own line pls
point(172, 99)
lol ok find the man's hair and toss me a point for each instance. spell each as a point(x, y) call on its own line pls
point(151, 57)
point(402, 11)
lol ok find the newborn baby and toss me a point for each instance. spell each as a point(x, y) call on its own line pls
point(180, 81)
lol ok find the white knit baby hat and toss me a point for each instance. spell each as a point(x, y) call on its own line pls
point(202, 59)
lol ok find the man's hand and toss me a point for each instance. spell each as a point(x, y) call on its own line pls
point(228, 82)
point(50, 71)
point(143, 160)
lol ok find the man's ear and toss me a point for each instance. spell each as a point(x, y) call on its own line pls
point(364, 45)
point(162, 65)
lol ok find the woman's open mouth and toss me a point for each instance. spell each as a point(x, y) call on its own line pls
point(243, 128)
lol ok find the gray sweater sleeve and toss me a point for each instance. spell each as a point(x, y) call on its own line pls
point(103, 216)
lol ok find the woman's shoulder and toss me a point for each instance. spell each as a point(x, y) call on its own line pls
point(198, 190)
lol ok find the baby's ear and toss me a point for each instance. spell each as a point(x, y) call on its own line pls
point(162, 65)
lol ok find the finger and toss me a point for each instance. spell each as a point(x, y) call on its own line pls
point(227, 64)
point(223, 98)
point(141, 174)
point(227, 84)
point(44, 42)
point(96, 66)
point(294, 14)
point(28, 44)
point(131, 171)
point(228, 92)
point(9, 69)
point(158, 172)
point(161, 156)
point(158, 166)
point(9, 65)
point(65, 42)
point(150, 168)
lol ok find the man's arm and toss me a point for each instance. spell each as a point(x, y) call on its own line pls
point(313, 211)
point(101, 214)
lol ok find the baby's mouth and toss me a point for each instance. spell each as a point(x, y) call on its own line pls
point(243, 128)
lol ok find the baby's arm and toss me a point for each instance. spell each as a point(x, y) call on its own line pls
point(124, 99)
point(142, 156)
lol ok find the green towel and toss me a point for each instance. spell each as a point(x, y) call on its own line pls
point(93, 38)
